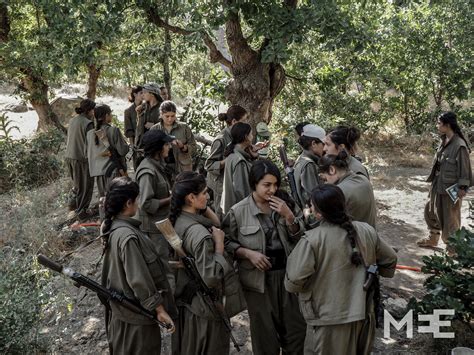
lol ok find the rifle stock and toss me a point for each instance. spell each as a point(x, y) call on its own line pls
point(289, 173)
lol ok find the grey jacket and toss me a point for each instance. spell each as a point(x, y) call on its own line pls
point(215, 175)
point(306, 172)
point(76, 138)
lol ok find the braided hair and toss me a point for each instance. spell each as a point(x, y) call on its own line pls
point(85, 107)
point(338, 161)
point(100, 113)
point(187, 182)
point(450, 119)
point(121, 190)
point(329, 200)
point(239, 133)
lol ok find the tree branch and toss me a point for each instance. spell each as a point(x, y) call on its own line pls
point(4, 22)
point(215, 55)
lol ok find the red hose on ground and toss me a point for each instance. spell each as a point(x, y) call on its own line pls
point(412, 268)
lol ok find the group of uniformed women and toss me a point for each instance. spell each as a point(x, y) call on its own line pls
point(298, 267)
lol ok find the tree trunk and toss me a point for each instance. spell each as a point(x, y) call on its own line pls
point(255, 89)
point(166, 63)
point(94, 73)
point(38, 97)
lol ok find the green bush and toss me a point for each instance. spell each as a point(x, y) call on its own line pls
point(451, 281)
point(21, 300)
point(30, 162)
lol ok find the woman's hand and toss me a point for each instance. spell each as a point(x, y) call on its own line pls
point(462, 193)
point(148, 125)
point(280, 206)
point(218, 238)
point(260, 145)
point(164, 317)
point(259, 260)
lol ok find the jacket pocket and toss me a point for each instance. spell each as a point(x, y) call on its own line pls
point(153, 263)
point(249, 237)
point(450, 173)
point(306, 305)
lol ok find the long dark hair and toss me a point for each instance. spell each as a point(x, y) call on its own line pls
point(345, 135)
point(100, 112)
point(262, 167)
point(329, 200)
point(121, 190)
point(135, 90)
point(186, 183)
point(85, 107)
point(450, 119)
point(234, 112)
point(168, 106)
point(239, 132)
point(338, 161)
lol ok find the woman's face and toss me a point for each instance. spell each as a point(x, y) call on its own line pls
point(108, 118)
point(317, 148)
point(331, 176)
point(249, 138)
point(165, 151)
point(442, 128)
point(147, 96)
point(266, 187)
point(200, 200)
point(168, 118)
point(330, 147)
point(139, 96)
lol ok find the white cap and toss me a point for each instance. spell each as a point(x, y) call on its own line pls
point(313, 131)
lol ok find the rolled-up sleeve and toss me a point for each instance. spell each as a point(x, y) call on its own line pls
point(138, 277)
point(213, 162)
point(464, 168)
point(190, 141)
point(386, 258)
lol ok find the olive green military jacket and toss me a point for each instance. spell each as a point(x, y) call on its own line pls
point(236, 185)
point(215, 175)
point(148, 115)
point(133, 268)
point(215, 270)
point(451, 165)
point(360, 200)
point(357, 167)
point(182, 132)
point(330, 287)
point(243, 229)
point(76, 138)
point(154, 186)
point(130, 121)
point(99, 162)
point(306, 172)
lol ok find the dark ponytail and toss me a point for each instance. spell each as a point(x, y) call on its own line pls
point(235, 112)
point(329, 200)
point(345, 135)
point(100, 112)
point(450, 119)
point(239, 133)
point(120, 191)
point(135, 90)
point(338, 161)
point(186, 183)
point(85, 106)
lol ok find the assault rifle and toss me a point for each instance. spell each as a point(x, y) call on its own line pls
point(111, 152)
point(289, 172)
point(105, 295)
point(208, 294)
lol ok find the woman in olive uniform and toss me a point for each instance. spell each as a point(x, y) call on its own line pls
point(200, 331)
point(261, 230)
point(133, 268)
point(357, 189)
point(148, 112)
point(184, 145)
point(76, 159)
point(98, 142)
point(155, 187)
point(130, 117)
point(451, 166)
point(215, 163)
point(238, 156)
point(345, 138)
point(326, 269)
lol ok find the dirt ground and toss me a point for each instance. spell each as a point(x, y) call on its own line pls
point(401, 193)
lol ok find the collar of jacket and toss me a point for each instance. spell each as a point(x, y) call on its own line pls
point(199, 218)
point(310, 155)
point(162, 126)
point(342, 178)
point(121, 220)
point(159, 164)
point(242, 152)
